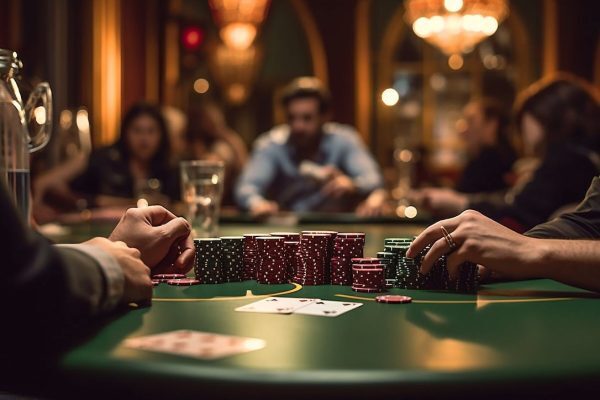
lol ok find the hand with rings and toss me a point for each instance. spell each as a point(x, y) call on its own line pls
point(473, 237)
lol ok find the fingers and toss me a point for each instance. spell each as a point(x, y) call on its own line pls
point(454, 261)
point(188, 253)
point(438, 249)
point(431, 234)
point(175, 228)
point(157, 215)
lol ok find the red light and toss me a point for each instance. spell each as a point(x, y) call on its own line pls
point(192, 37)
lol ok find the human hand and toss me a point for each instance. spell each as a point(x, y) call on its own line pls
point(439, 201)
point(479, 240)
point(138, 286)
point(338, 184)
point(264, 208)
point(375, 205)
point(163, 239)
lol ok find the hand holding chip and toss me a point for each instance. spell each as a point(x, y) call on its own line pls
point(163, 239)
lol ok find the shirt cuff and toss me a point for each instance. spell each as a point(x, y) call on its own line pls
point(113, 274)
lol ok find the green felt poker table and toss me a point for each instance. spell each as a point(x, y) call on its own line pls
point(534, 338)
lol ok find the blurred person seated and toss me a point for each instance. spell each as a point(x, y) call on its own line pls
point(491, 155)
point(136, 166)
point(309, 164)
point(209, 138)
point(176, 121)
point(559, 121)
point(566, 249)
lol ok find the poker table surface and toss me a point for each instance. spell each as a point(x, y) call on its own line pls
point(535, 338)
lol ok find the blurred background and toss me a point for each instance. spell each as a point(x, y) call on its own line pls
point(393, 71)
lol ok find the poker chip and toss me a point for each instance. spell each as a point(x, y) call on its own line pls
point(155, 282)
point(183, 282)
point(208, 267)
point(393, 299)
point(161, 278)
point(407, 275)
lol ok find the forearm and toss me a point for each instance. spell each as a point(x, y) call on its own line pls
point(574, 262)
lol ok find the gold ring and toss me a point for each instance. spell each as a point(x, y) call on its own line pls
point(448, 237)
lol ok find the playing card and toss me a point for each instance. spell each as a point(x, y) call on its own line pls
point(202, 345)
point(326, 308)
point(276, 305)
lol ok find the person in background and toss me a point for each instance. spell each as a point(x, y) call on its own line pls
point(491, 155)
point(176, 121)
point(566, 249)
point(559, 121)
point(137, 165)
point(209, 138)
point(309, 164)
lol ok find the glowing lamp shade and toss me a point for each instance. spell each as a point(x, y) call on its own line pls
point(238, 35)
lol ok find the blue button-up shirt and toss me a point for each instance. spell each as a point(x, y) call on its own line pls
point(273, 170)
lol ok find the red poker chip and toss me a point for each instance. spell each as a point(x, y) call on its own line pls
point(393, 299)
point(183, 282)
point(155, 282)
point(168, 276)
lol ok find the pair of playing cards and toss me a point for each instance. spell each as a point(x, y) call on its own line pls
point(304, 306)
point(201, 345)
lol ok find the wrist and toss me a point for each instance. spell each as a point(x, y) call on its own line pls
point(536, 253)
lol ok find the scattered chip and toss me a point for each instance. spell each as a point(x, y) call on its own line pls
point(393, 299)
point(183, 282)
point(166, 277)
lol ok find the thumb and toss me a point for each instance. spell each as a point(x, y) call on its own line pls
point(175, 228)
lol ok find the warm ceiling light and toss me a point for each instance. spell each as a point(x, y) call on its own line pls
point(455, 26)
point(390, 97)
point(201, 85)
point(455, 61)
point(249, 11)
point(238, 35)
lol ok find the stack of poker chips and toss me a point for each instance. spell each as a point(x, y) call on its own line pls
point(208, 267)
point(390, 260)
point(272, 264)
point(408, 275)
point(250, 255)
point(292, 240)
point(346, 246)
point(329, 250)
point(311, 262)
point(232, 258)
point(368, 275)
point(291, 257)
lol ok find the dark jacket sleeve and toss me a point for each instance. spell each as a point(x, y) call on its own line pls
point(562, 179)
point(43, 289)
point(583, 223)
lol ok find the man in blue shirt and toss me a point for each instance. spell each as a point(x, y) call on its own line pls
point(309, 164)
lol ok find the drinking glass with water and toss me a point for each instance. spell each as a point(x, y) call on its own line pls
point(201, 191)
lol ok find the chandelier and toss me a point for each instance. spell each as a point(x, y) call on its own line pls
point(455, 26)
point(239, 20)
point(235, 63)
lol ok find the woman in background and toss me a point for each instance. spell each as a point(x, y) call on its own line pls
point(136, 166)
point(491, 155)
point(209, 138)
point(559, 121)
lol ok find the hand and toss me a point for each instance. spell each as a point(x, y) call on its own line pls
point(374, 205)
point(479, 240)
point(163, 239)
point(138, 286)
point(264, 208)
point(440, 202)
point(338, 185)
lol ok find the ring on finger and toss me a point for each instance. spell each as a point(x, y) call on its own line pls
point(448, 237)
